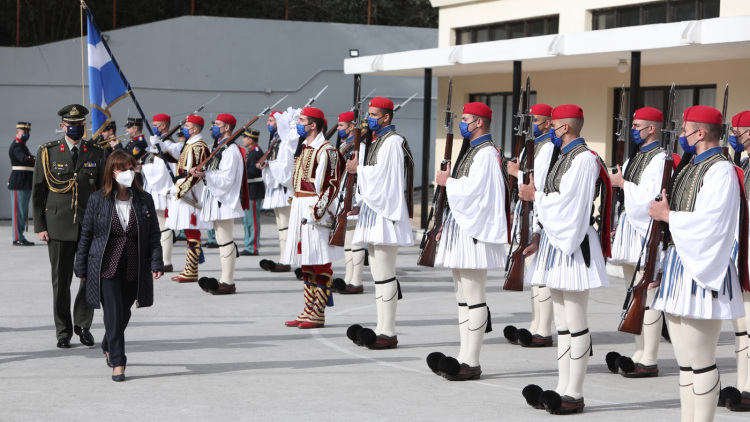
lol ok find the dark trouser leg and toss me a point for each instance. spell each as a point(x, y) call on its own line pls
point(83, 315)
point(61, 258)
point(116, 306)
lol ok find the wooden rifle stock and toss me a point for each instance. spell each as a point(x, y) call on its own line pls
point(514, 280)
point(338, 232)
point(330, 132)
point(429, 239)
point(265, 155)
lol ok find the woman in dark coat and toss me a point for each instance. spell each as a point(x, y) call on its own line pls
point(119, 253)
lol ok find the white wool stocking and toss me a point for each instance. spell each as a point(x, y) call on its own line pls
point(282, 222)
point(746, 353)
point(227, 253)
point(544, 308)
point(534, 310)
point(563, 342)
point(651, 333)
point(463, 316)
point(166, 238)
point(355, 261)
point(571, 316)
point(386, 287)
point(473, 284)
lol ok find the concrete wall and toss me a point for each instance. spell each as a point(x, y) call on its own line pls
point(593, 90)
point(178, 64)
point(575, 15)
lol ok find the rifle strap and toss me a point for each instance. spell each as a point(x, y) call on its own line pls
point(629, 293)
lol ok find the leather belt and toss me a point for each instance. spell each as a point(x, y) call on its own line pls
point(304, 194)
point(256, 180)
point(22, 168)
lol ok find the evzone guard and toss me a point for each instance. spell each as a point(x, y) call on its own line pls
point(277, 176)
point(354, 255)
point(539, 333)
point(640, 180)
point(475, 231)
point(225, 198)
point(158, 181)
point(318, 167)
point(385, 185)
point(700, 285)
point(184, 207)
point(570, 260)
point(738, 398)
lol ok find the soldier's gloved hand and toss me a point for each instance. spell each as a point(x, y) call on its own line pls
point(154, 140)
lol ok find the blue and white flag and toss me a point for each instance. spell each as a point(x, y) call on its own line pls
point(107, 85)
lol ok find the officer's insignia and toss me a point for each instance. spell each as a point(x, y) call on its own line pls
point(89, 164)
point(74, 111)
point(136, 150)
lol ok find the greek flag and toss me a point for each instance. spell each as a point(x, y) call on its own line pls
point(107, 84)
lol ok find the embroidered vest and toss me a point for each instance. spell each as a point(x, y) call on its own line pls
point(372, 159)
point(638, 164)
point(464, 166)
point(689, 182)
point(746, 169)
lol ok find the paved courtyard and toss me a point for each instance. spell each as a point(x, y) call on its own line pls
point(193, 356)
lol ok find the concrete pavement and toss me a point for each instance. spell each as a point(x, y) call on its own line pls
point(193, 356)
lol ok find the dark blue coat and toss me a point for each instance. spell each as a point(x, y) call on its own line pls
point(20, 156)
point(93, 242)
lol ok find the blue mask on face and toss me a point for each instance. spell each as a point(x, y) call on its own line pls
point(373, 124)
point(185, 132)
point(464, 128)
point(271, 129)
point(342, 133)
point(215, 132)
point(557, 142)
point(635, 135)
point(157, 132)
point(690, 149)
point(301, 130)
point(736, 145)
point(75, 132)
point(25, 137)
point(537, 131)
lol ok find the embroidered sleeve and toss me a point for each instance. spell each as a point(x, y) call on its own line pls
point(199, 152)
point(331, 184)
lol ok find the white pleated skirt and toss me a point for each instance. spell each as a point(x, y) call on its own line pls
point(628, 243)
point(179, 213)
point(552, 268)
point(457, 250)
point(276, 197)
point(680, 295)
point(308, 244)
point(374, 229)
point(213, 212)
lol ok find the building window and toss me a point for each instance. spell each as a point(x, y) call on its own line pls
point(653, 13)
point(657, 97)
point(508, 30)
point(501, 103)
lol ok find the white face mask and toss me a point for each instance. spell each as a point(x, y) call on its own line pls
point(125, 178)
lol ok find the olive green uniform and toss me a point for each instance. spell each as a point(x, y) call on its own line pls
point(59, 207)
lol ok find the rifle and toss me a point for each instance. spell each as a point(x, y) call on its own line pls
point(398, 106)
point(330, 132)
point(633, 311)
point(622, 130)
point(725, 125)
point(237, 134)
point(182, 122)
point(428, 246)
point(516, 263)
point(271, 147)
point(518, 141)
point(338, 230)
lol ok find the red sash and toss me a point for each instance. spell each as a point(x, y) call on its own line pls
point(742, 269)
point(675, 161)
point(606, 210)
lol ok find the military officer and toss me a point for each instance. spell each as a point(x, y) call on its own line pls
point(19, 183)
point(137, 147)
point(66, 173)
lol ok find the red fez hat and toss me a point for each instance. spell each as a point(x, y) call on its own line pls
point(567, 111)
point(347, 116)
point(196, 120)
point(648, 113)
point(541, 110)
point(381, 102)
point(275, 112)
point(741, 119)
point(702, 114)
point(478, 109)
point(227, 118)
point(313, 112)
point(161, 117)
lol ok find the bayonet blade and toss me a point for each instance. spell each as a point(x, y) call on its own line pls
point(398, 107)
point(209, 102)
point(313, 99)
point(277, 102)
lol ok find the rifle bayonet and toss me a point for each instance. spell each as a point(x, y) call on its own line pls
point(398, 107)
point(313, 99)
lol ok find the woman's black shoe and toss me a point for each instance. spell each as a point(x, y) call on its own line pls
point(109, 363)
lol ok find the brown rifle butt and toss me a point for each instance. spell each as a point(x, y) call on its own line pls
point(427, 256)
point(338, 233)
point(632, 322)
point(514, 281)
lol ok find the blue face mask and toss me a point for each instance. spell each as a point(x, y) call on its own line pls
point(736, 145)
point(464, 128)
point(342, 133)
point(537, 131)
point(75, 132)
point(635, 135)
point(557, 142)
point(185, 132)
point(373, 124)
point(301, 130)
point(215, 132)
point(157, 132)
point(690, 149)
point(271, 129)
point(25, 137)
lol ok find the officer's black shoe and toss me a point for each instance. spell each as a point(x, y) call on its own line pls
point(87, 339)
point(63, 344)
point(23, 242)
